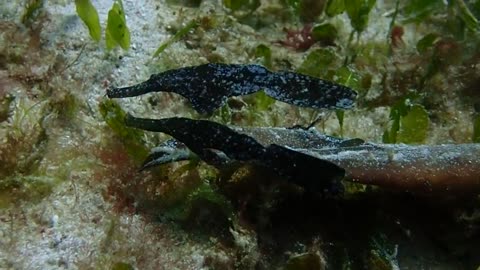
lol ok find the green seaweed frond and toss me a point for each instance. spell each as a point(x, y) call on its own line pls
point(409, 123)
point(181, 33)
point(89, 15)
point(117, 32)
point(358, 11)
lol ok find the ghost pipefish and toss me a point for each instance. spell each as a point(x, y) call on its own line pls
point(208, 86)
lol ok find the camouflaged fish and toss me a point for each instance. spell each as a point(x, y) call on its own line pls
point(304, 157)
point(221, 146)
point(208, 86)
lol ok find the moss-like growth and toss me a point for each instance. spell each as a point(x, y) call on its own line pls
point(132, 138)
point(64, 104)
point(32, 9)
point(21, 151)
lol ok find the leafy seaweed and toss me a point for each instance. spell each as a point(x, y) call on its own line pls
point(349, 77)
point(262, 101)
point(181, 33)
point(264, 52)
point(398, 110)
point(427, 42)
point(335, 7)
point(87, 12)
point(358, 11)
point(466, 15)
point(317, 63)
point(325, 32)
point(414, 125)
point(416, 11)
point(117, 32)
point(409, 123)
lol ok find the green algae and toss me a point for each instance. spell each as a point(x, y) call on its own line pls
point(325, 32)
point(191, 25)
point(335, 7)
point(131, 138)
point(117, 32)
point(358, 12)
point(427, 42)
point(89, 15)
point(318, 63)
point(263, 52)
point(413, 126)
point(409, 123)
point(32, 10)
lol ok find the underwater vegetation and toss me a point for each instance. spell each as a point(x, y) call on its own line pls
point(116, 32)
point(33, 100)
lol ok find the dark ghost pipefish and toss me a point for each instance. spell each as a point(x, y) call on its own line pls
point(208, 86)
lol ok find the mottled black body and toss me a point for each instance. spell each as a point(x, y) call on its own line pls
point(202, 135)
point(208, 86)
point(213, 142)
